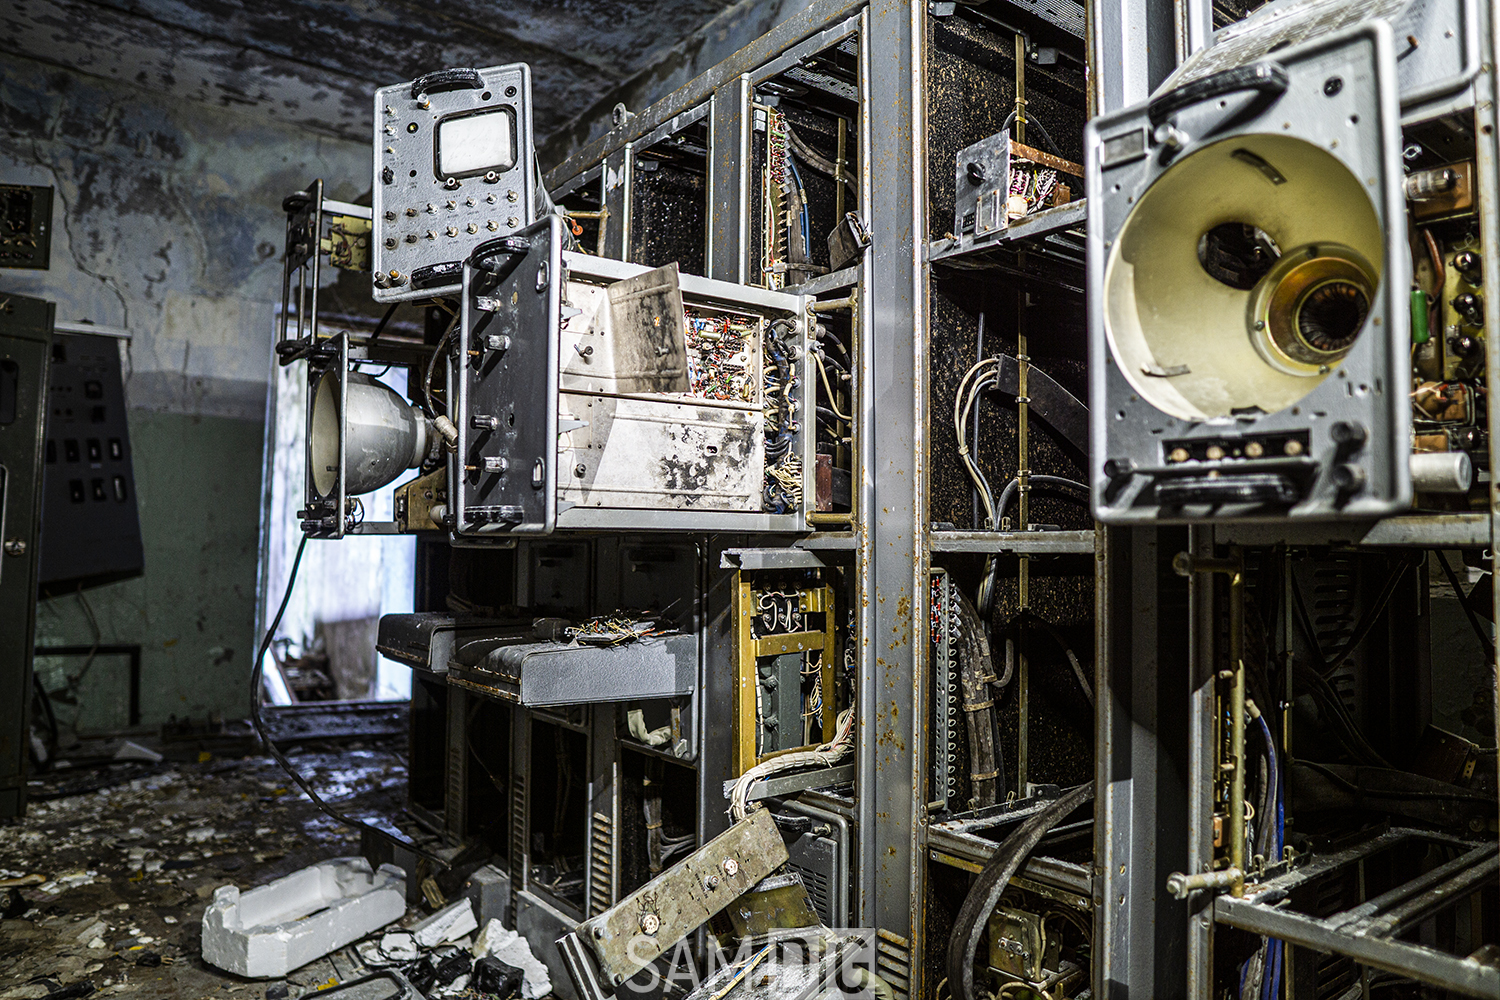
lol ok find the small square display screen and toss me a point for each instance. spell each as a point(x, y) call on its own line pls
point(475, 144)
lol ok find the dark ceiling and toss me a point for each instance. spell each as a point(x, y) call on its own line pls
point(316, 63)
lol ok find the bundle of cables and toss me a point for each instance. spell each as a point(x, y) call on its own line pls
point(783, 490)
point(822, 755)
point(986, 375)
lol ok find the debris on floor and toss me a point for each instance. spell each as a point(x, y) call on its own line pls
point(446, 925)
point(273, 929)
point(104, 883)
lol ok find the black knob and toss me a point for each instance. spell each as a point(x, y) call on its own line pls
point(1118, 468)
point(1465, 346)
point(1348, 478)
point(1470, 264)
point(975, 172)
point(1348, 433)
point(1470, 307)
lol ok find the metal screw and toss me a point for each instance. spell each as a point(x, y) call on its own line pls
point(390, 242)
point(512, 222)
point(411, 237)
point(390, 216)
point(512, 196)
point(492, 225)
point(15, 546)
point(731, 867)
point(452, 230)
point(473, 227)
point(580, 470)
point(451, 183)
point(711, 883)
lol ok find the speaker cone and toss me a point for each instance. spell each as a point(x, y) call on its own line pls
point(1242, 277)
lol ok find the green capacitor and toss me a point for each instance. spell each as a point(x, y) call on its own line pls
point(1419, 332)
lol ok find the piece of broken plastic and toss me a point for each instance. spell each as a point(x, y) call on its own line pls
point(271, 930)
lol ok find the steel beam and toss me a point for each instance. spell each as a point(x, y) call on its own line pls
point(1142, 791)
point(893, 556)
point(729, 181)
point(1132, 47)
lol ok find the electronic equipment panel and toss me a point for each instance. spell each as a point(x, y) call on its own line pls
point(454, 167)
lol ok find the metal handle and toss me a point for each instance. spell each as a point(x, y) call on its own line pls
point(1270, 78)
point(446, 79)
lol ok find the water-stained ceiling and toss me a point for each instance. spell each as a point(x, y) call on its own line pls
point(316, 63)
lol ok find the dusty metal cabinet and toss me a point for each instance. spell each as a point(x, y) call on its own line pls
point(592, 394)
point(25, 354)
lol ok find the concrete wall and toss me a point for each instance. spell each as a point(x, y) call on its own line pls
point(168, 223)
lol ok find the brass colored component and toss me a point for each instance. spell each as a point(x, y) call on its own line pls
point(1457, 200)
point(780, 902)
point(1016, 943)
point(348, 243)
point(1309, 308)
point(414, 501)
point(749, 649)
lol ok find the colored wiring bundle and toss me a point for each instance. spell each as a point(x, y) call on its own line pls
point(719, 357)
point(783, 474)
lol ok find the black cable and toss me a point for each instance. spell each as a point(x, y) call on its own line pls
point(1030, 120)
point(1361, 627)
point(1344, 726)
point(994, 879)
point(380, 327)
point(257, 674)
point(1039, 480)
point(1485, 643)
point(1457, 795)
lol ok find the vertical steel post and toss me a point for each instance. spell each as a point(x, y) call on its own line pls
point(615, 223)
point(1142, 790)
point(893, 545)
point(1133, 48)
point(1147, 752)
point(1487, 165)
point(729, 181)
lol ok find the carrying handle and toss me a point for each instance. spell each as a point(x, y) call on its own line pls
point(1268, 77)
point(446, 79)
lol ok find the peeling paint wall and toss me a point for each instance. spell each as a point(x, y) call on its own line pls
point(168, 223)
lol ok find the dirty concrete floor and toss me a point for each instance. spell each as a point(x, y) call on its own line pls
point(131, 867)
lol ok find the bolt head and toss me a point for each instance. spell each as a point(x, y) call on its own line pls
point(731, 867)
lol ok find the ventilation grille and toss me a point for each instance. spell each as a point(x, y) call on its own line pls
point(818, 889)
point(518, 854)
point(601, 870)
point(893, 961)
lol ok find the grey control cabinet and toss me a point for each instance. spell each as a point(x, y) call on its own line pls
point(25, 353)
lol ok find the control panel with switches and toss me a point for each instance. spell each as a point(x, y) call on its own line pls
point(453, 168)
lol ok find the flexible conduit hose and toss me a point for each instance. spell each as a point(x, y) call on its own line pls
point(984, 896)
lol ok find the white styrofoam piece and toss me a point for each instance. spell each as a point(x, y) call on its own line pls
point(509, 947)
point(271, 930)
point(448, 924)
